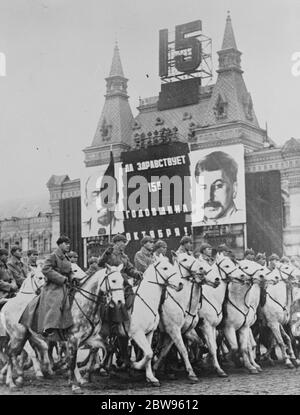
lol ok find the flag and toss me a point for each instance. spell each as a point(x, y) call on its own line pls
point(110, 197)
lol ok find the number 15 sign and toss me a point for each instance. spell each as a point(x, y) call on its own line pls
point(183, 41)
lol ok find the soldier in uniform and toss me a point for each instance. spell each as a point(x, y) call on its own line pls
point(114, 255)
point(8, 286)
point(160, 248)
point(273, 261)
point(261, 258)
point(186, 246)
point(50, 313)
point(93, 266)
point(249, 254)
point(16, 266)
point(206, 253)
point(144, 257)
point(32, 256)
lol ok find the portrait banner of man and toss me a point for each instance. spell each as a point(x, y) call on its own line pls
point(102, 215)
point(218, 186)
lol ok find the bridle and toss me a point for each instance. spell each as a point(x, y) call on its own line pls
point(166, 283)
point(35, 287)
point(229, 278)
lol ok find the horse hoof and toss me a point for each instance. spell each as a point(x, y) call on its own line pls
point(19, 381)
point(193, 379)
point(295, 362)
point(12, 387)
point(222, 375)
point(76, 390)
point(259, 368)
point(253, 371)
point(289, 365)
point(154, 383)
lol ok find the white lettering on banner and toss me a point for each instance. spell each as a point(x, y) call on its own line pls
point(158, 233)
point(159, 163)
point(170, 210)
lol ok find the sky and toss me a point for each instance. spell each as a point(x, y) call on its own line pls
point(58, 53)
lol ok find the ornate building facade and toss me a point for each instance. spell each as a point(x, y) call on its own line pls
point(223, 114)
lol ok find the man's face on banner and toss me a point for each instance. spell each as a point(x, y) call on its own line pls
point(219, 192)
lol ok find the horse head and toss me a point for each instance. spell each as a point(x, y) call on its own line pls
point(112, 284)
point(253, 270)
point(289, 272)
point(190, 268)
point(34, 281)
point(229, 271)
point(166, 274)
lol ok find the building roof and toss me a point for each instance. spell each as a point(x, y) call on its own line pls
point(116, 118)
point(229, 38)
point(116, 68)
point(56, 180)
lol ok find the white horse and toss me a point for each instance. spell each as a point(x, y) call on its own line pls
point(160, 280)
point(257, 273)
point(211, 306)
point(276, 310)
point(179, 314)
point(9, 316)
point(107, 282)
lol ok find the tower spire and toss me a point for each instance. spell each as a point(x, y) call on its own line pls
point(229, 38)
point(229, 55)
point(116, 65)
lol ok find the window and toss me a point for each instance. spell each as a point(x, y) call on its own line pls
point(46, 245)
point(35, 244)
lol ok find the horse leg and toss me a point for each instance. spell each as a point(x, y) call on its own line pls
point(9, 375)
point(230, 336)
point(75, 378)
point(32, 353)
point(288, 341)
point(142, 341)
point(164, 350)
point(275, 327)
point(37, 343)
point(251, 351)
point(3, 372)
point(175, 334)
point(210, 338)
point(149, 374)
point(243, 335)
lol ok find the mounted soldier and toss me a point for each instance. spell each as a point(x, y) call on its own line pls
point(160, 248)
point(16, 266)
point(114, 255)
point(186, 246)
point(249, 254)
point(144, 257)
point(50, 312)
point(261, 258)
point(32, 256)
point(206, 253)
point(8, 286)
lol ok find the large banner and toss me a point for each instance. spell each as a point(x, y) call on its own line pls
point(97, 218)
point(157, 191)
point(218, 186)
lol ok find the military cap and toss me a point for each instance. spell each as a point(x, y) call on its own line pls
point(119, 237)
point(260, 256)
point(249, 251)
point(92, 260)
point(62, 239)
point(160, 244)
point(32, 252)
point(15, 248)
point(146, 239)
point(274, 257)
point(185, 239)
point(284, 260)
point(223, 248)
point(204, 246)
point(3, 251)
